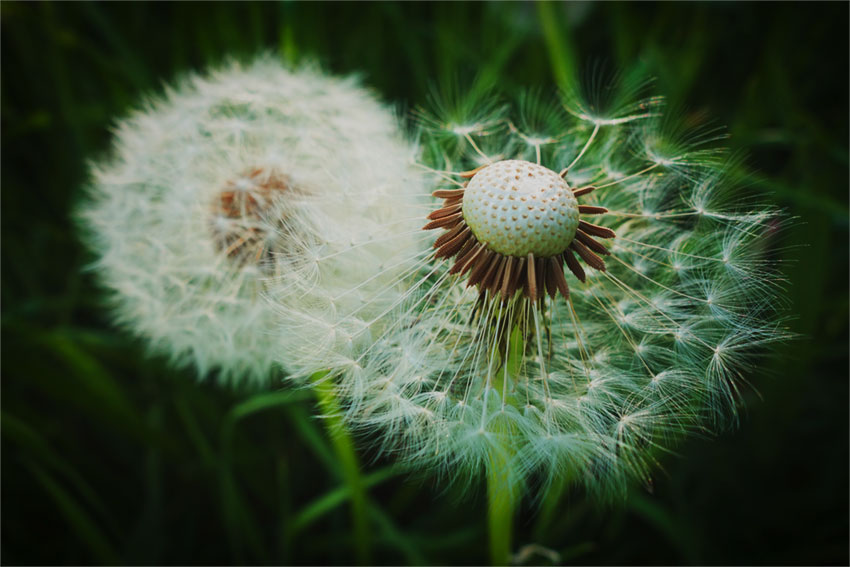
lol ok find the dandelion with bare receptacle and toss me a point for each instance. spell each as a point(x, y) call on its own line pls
point(596, 288)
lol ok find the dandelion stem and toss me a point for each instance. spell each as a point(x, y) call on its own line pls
point(500, 504)
point(502, 489)
point(346, 455)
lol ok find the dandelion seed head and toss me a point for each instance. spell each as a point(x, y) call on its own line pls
point(239, 183)
point(584, 354)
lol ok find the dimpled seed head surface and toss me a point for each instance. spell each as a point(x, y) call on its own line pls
point(515, 207)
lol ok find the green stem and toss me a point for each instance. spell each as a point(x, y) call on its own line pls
point(347, 456)
point(500, 508)
point(502, 489)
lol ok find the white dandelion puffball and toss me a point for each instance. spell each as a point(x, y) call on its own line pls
point(596, 288)
point(245, 183)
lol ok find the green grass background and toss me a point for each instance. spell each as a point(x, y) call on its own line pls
point(111, 457)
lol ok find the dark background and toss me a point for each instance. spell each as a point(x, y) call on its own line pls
point(109, 456)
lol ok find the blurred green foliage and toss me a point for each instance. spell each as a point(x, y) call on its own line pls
point(111, 457)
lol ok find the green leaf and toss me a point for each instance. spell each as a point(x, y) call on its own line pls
point(330, 500)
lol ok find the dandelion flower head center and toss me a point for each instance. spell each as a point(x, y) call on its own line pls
point(516, 207)
point(240, 225)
